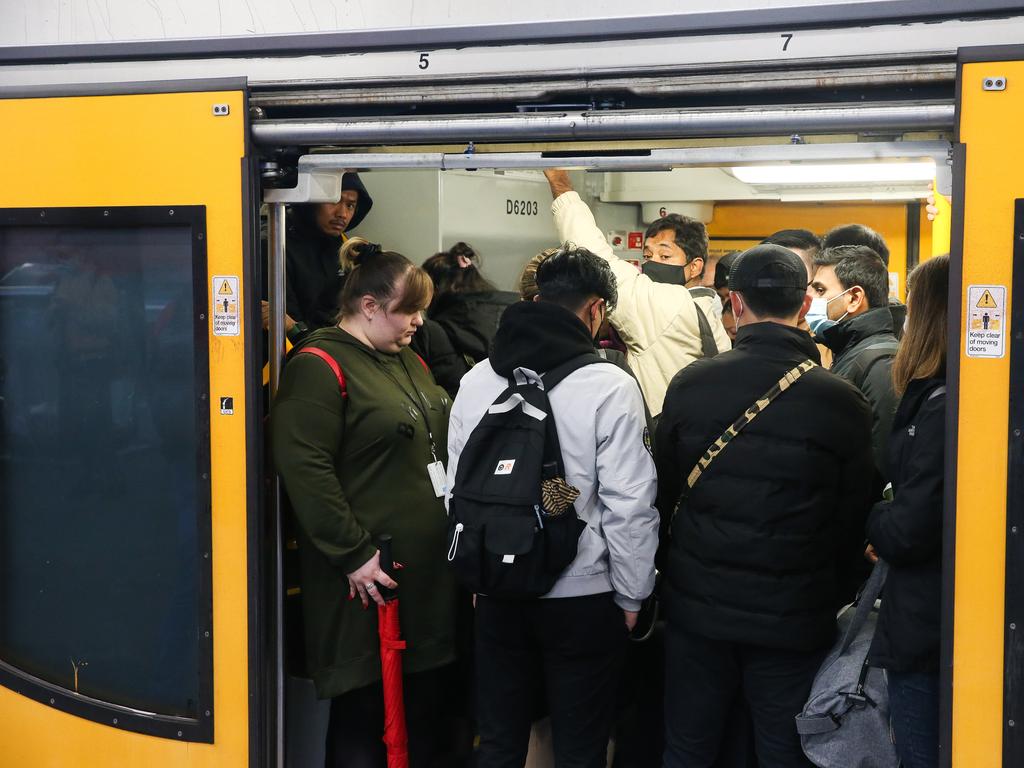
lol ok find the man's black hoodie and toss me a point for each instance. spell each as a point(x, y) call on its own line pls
point(314, 279)
point(538, 335)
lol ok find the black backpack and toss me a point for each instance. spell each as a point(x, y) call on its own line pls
point(512, 526)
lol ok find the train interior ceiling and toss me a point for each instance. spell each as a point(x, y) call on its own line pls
point(742, 189)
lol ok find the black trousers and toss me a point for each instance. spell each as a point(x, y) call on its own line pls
point(576, 645)
point(356, 726)
point(704, 678)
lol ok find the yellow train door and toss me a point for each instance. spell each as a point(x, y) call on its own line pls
point(984, 708)
point(127, 406)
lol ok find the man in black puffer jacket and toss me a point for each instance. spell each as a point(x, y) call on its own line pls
point(768, 544)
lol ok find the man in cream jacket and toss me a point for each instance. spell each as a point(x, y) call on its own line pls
point(658, 321)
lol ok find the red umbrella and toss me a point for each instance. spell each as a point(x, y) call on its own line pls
point(396, 738)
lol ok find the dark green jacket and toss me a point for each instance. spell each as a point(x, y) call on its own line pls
point(354, 469)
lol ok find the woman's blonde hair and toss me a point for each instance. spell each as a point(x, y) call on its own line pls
point(528, 279)
point(385, 275)
point(351, 246)
point(922, 354)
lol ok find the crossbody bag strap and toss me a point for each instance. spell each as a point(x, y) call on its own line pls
point(748, 416)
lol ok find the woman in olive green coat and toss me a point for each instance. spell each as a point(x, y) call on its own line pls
point(355, 466)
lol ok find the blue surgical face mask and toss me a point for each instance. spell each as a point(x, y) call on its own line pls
point(817, 316)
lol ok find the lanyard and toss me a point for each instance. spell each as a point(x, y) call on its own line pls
point(418, 402)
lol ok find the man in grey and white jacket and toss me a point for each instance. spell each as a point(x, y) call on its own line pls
point(577, 633)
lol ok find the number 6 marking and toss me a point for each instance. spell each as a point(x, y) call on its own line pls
point(789, 37)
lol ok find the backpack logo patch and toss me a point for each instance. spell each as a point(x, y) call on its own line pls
point(505, 467)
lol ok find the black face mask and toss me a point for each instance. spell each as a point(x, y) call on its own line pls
point(673, 274)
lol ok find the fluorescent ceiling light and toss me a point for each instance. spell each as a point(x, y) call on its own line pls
point(835, 173)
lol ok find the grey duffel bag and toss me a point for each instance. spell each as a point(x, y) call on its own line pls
point(845, 723)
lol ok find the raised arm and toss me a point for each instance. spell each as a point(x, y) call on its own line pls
point(645, 308)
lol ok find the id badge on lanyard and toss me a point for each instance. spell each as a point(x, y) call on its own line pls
point(438, 478)
point(435, 469)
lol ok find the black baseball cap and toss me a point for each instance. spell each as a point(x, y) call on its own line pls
point(722, 267)
point(767, 266)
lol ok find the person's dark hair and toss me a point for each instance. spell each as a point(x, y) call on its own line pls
point(765, 264)
point(858, 265)
point(689, 234)
point(802, 239)
point(455, 271)
point(572, 275)
point(722, 267)
point(857, 234)
point(922, 353)
point(385, 275)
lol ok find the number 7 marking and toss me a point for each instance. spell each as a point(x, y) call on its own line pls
point(789, 37)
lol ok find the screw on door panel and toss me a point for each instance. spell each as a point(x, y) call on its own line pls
point(220, 110)
point(994, 84)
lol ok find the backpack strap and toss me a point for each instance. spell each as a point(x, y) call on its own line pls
point(708, 345)
point(556, 375)
point(748, 416)
point(333, 364)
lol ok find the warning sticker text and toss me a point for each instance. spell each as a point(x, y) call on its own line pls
point(986, 321)
point(225, 306)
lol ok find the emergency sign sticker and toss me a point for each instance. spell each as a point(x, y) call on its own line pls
point(986, 320)
point(225, 306)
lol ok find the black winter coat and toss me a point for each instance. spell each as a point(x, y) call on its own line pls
point(863, 349)
point(769, 542)
point(433, 345)
point(471, 320)
point(907, 532)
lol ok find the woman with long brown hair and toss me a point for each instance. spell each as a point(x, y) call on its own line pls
point(907, 531)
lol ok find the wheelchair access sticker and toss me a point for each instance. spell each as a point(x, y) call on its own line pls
point(986, 321)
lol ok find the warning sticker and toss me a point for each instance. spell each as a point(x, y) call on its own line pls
point(225, 306)
point(986, 320)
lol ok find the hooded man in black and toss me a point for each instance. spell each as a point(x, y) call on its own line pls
point(766, 545)
point(315, 276)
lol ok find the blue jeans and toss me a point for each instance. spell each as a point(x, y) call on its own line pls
point(914, 708)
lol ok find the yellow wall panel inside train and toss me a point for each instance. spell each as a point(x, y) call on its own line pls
point(732, 219)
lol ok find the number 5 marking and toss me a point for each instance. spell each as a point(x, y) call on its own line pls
point(425, 60)
point(785, 45)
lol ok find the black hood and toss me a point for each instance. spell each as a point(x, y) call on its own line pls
point(351, 181)
point(303, 217)
point(538, 335)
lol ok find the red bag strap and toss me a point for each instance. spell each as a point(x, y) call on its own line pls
point(422, 362)
point(333, 365)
